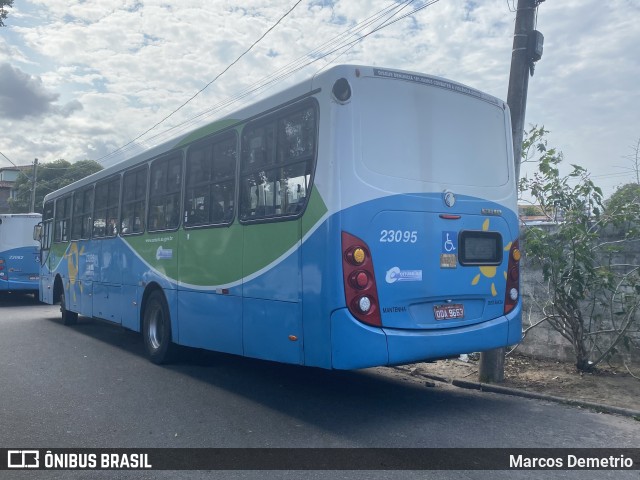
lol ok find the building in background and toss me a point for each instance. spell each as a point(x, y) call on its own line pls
point(8, 177)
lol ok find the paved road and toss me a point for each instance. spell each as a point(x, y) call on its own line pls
point(90, 385)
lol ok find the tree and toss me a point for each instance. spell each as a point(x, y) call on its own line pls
point(590, 298)
point(531, 211)
point(625, 198)
point(50, 177)
point(625, 195)
point(4, 4)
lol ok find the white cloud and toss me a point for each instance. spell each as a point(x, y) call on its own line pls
point(129, 63)
point(24, 97)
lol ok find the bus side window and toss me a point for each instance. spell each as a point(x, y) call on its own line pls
point(100, 217)
point(82, 209)
point(164, 197)
point(62, 220)
point(210, 186)
point(47, 223)
point(279, 187)
point(134, 197)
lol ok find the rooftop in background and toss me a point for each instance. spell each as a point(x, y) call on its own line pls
point(10, 174)
point(530, 220)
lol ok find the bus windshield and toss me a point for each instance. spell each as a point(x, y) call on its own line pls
point(17, 231)
point(19, 257)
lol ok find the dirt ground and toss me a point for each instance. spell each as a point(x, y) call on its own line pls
point(608, 385)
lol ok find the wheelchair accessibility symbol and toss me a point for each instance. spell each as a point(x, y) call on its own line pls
point(449, 242)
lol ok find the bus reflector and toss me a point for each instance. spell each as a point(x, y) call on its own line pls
point(360, 288)
point(512, 293)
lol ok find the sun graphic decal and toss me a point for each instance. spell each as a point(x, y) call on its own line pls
point(489, 271)
point(73, 263)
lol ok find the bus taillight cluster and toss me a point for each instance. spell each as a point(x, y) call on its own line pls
point(359, 280)
point(513, 278)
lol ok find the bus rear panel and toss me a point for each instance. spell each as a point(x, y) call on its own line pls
point(427, 221)
point(19, 253)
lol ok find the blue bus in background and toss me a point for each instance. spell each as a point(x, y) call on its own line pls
point(19, 253)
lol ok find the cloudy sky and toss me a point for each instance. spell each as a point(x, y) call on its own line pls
point(80, 79)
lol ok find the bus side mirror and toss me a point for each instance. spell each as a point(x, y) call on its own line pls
point(37, 232)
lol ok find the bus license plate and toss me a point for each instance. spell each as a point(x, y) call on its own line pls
point(449, 311)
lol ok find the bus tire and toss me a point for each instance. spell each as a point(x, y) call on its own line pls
point(156, 329)
point(68, 317)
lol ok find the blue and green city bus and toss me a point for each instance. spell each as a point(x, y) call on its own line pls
point(19, 253)
point(363, 217)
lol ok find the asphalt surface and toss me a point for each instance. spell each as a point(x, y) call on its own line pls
point(90, 385)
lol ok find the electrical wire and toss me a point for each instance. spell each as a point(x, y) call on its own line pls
point(274, 77)
point(9, 160)
point(289, 69)
point(349, 48)
point(344, 41)
point(20, 172)
point(217, 76)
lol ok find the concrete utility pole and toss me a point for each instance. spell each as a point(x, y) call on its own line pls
point(33, 185)
point(527, 49)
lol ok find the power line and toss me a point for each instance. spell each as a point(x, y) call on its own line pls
point(216, 78)
point(337, 43)
point(266, 81)
point(20, 172)
point(614, 175)
point(294, 66)
point(9, 160)
point(353, 45)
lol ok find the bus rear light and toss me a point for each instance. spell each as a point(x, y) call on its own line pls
point(356, 255)
point(513, 278)
point(514, 274)
point(1, 263)
point(359, 280)
point(364, 304)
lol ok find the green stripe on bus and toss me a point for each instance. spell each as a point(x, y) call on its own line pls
point(206, 130)
point(220, 258)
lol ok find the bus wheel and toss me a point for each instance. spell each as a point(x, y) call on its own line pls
point(156, 329)
point(68, 317)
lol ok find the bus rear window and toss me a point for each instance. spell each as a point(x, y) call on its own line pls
point(433, 135)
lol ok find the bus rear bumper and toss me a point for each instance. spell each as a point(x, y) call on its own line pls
point(18, 286)
point(355, 345)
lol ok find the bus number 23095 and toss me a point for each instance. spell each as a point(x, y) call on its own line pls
point(398, 236)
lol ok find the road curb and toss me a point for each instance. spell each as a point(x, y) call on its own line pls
point(486, 387)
